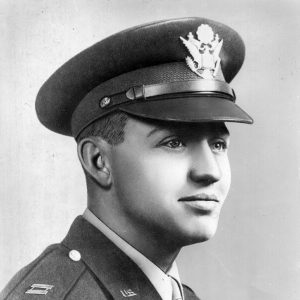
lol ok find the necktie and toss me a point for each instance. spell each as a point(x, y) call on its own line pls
point(176, 294)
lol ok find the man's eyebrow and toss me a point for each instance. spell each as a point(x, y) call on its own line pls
point(222, 130)
point(154, 130)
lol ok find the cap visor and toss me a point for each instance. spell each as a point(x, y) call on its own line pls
point(191, 109)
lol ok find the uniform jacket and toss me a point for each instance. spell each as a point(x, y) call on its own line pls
point(102, 272)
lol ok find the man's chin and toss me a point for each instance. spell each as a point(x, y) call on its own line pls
point(204, 237)
point(202, 233)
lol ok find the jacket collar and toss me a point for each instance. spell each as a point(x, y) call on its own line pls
point(117, 272)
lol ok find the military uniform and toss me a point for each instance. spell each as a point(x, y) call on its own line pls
point(174, 70)
point(86, 265)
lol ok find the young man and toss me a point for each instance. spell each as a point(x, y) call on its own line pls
point(147, 108)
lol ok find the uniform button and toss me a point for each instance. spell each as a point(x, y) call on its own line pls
point(75, 255)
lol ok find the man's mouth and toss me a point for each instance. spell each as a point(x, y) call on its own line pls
point(203, 203)
point(200, 197)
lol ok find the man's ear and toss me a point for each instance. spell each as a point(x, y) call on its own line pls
point(93, 155)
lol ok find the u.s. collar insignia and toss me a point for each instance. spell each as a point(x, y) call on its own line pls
point(128, 293)
point(204, 51)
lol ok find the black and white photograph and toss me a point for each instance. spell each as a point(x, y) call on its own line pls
point(150, 150)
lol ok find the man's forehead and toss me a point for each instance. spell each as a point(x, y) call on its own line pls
point(154, 126)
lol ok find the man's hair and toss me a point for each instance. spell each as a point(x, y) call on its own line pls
point(110, 128)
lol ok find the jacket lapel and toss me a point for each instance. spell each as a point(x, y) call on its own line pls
point(117, 272)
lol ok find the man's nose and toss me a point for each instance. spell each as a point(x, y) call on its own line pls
point(205, 169)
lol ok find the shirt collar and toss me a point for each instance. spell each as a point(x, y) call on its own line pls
point(157, 277)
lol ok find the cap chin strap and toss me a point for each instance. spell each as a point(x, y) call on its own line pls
point(202, 86)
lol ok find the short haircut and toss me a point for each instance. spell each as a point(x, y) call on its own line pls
point(110, 128)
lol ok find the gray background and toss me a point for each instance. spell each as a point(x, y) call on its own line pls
point(256, 252)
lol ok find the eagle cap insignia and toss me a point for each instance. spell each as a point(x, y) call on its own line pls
point(204, 60)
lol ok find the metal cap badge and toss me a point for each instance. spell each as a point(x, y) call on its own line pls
point(205, 50)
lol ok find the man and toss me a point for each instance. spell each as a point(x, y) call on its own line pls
point(147, 108)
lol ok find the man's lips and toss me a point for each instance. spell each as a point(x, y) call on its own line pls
point(203, 203)
point(200, 197)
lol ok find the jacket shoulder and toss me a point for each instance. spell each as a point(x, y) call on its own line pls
point(53, 274)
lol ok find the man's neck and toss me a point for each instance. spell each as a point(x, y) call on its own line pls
point(157, 248)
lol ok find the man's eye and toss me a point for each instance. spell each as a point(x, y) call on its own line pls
point(219, 146)
point(173, 144)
